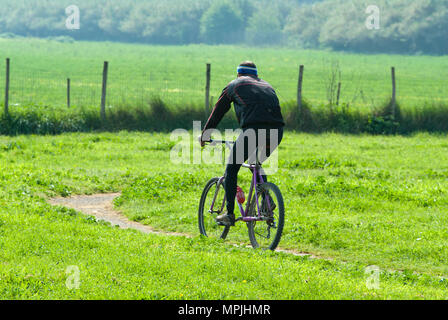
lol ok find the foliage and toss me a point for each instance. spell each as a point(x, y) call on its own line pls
point(222, 23)
point(406, 26)
point(156, 116)
point(264, 27)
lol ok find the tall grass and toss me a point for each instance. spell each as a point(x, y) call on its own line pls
point(157, 116)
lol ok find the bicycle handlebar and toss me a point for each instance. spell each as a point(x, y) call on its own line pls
point(228, 144)
point(214, 142)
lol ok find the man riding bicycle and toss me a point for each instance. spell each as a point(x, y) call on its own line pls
point(258, 111)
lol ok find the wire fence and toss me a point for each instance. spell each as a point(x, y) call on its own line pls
point(29, 87)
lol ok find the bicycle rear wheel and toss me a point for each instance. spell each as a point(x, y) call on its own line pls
point(211, 205)
point(266, 234)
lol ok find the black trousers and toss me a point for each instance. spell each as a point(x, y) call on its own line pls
point(263, 140)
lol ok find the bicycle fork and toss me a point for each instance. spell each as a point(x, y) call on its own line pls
point(218, 186)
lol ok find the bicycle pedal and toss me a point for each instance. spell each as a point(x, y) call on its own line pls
point(222, 224)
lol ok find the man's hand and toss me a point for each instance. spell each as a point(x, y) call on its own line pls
point(202, 142)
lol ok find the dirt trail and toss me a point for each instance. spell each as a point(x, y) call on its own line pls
point(101, 207)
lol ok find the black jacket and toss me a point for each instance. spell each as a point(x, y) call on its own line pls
point(255, 102)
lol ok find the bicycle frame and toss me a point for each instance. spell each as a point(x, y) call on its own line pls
point(256, 177)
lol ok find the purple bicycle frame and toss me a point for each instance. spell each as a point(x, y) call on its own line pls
point(244, 213)
point(255, 174)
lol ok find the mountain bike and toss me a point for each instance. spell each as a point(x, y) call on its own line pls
point(264, 213)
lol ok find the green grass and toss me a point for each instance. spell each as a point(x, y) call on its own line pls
point(374, 200)
point(359, 200)
point(177, 73)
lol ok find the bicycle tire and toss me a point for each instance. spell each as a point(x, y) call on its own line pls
point(202, 213)
point(272, 188)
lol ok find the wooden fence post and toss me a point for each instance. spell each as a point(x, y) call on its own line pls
point(7, 88)
point(394, 93)
point(299, 89)
point(103, 92)
point(339, 93)
point(68, 92)
point(207, 90)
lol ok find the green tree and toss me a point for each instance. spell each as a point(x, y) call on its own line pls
point(222, 23)
point(264, 28)
point(303, 26)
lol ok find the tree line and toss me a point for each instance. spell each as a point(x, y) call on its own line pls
point(404, 26)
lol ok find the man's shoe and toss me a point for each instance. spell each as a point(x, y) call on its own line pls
point(226, 219)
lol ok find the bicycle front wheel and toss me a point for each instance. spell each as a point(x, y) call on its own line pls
point(266, 234)
point(212, 204)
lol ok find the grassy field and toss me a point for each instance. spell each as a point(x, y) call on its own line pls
point(177, 73)
point(359, 200)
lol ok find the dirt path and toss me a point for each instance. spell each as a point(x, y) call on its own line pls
point(101, 207)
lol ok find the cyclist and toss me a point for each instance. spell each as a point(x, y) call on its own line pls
point(258, 111)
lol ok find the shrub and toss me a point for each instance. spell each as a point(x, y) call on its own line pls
point(156, 116)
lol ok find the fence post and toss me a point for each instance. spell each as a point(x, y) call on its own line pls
point(103, 92)
point(299, 89)
point(394, 93)
point(7, 88)
point(68, 92)
point(339, 93)
point(207, 90)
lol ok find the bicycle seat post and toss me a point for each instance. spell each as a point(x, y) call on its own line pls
point(258, 159)
point(257, 164)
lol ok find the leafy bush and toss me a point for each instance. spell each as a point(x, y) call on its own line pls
point(156, 116)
